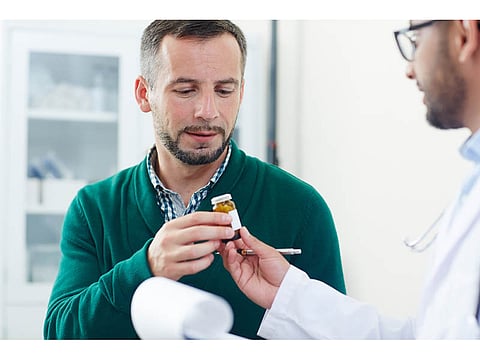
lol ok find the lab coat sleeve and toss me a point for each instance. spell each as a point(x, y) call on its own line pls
point(309, 309)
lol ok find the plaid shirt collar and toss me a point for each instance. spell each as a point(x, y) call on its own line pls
point(171, 202)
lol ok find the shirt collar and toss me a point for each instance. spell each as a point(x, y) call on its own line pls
point(152, 156)
point(169, 201)
point(470, 150)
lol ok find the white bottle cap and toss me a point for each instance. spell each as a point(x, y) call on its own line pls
point(221, 198)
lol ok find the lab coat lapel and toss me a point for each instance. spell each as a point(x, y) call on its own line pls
point(451, 295)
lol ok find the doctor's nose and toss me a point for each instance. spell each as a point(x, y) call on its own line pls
point(207, 108)
point(409, 72)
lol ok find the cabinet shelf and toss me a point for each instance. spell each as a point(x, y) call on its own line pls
point(45, 210)
point(73, 115)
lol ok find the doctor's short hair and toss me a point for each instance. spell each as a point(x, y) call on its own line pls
point(198, 29)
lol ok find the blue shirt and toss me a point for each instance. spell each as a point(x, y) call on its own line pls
point(471, 152)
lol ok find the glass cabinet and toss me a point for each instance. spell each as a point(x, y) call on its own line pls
point(72, 120)
point(72, 127)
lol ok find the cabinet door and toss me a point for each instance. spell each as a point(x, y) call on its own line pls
point(72, 122)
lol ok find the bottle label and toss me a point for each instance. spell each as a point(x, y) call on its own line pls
point(236, 224)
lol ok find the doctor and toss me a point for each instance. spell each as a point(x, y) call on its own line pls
point(444, 59)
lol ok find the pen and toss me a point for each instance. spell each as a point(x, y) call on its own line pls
point(289, 251)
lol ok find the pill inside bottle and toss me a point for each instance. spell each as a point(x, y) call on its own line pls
point(224, 203)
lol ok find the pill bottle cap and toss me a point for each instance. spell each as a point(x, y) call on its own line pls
point(221, 198)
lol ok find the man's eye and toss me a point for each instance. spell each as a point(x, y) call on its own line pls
point(184, 92)
point(225, 92)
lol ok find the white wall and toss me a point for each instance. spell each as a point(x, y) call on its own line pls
point(3, 184)
point(254, 110)
point(353, 125)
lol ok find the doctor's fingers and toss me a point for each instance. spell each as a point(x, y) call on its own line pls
point(229, 254)
point(261, 249)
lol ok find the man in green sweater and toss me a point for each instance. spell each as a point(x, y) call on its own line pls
point(153, 219)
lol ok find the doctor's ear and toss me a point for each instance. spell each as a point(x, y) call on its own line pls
point(466, 24)
point(468, 39)
point(141, 94)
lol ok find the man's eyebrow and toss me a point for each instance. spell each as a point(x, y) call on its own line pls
point(229, 81)
point(184, 80)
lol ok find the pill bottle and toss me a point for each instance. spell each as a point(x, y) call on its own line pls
point(224, 203)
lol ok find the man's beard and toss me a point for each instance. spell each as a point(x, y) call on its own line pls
point(444, 110)
point(194, 157)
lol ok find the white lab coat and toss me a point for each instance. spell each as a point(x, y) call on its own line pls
point(306, 308)
point(449, 306)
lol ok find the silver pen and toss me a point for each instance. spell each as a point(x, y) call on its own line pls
point(289, 251)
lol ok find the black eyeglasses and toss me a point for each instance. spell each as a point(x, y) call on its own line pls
point(407, 39)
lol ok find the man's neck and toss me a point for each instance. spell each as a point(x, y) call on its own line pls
point(182, 178)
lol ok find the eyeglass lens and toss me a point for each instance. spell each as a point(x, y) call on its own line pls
point(406, 46)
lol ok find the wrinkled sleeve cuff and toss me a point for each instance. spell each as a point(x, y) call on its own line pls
point(274, 324)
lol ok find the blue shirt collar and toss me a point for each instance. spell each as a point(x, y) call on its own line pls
point(470, 150)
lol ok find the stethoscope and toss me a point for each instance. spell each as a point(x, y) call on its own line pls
point(426, 239)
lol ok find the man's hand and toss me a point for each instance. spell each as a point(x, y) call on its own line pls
point(184, 246)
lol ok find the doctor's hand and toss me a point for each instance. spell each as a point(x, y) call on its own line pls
point(258, 276)
point(179, 247)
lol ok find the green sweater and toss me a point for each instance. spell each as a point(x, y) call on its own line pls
point(110, 224)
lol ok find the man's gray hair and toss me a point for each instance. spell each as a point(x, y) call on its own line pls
point(201, 29)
